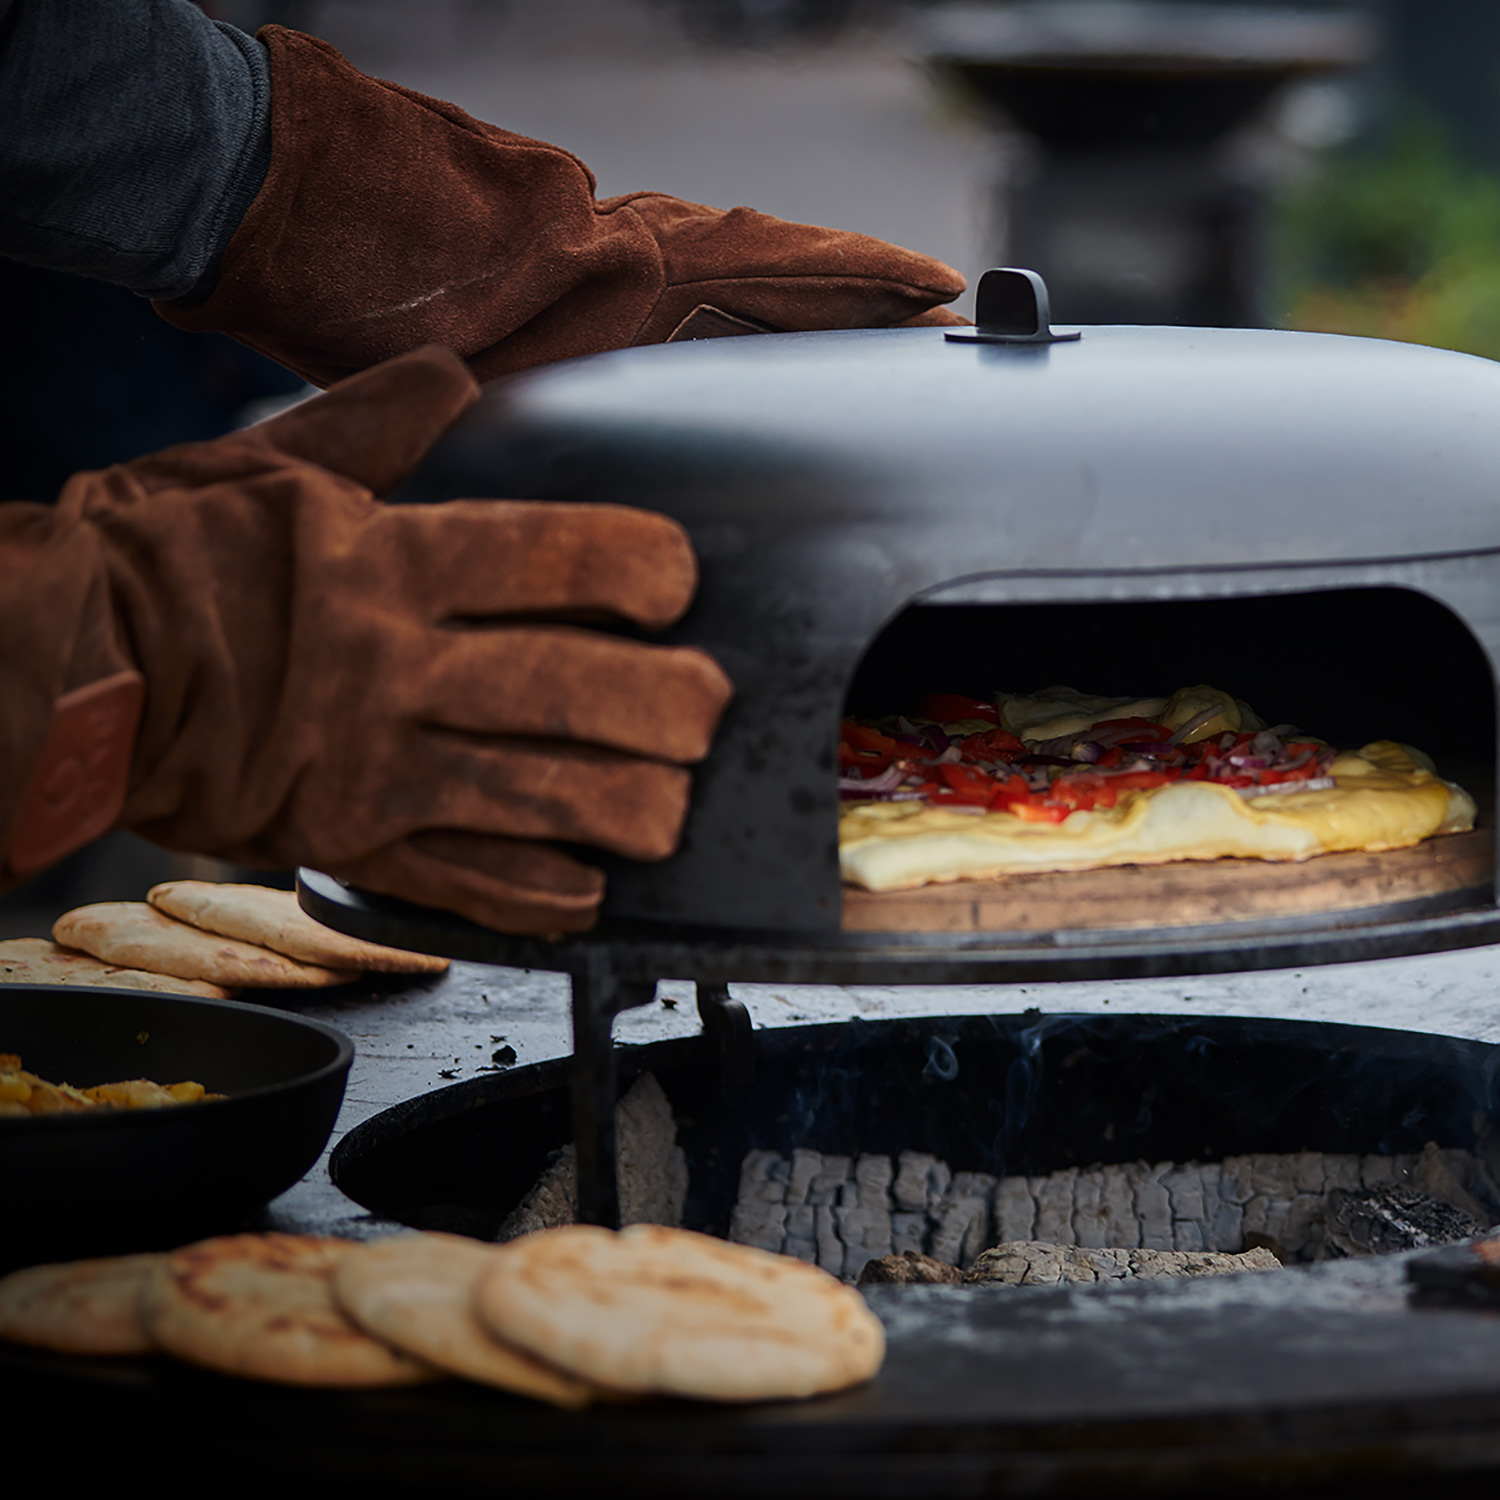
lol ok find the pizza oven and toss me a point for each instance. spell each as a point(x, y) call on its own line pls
point(1308, 521)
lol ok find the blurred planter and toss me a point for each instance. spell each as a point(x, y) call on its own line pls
point(1136, 203)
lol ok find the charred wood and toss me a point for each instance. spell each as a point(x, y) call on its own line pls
point(1034, 1263)
point(843, 1212)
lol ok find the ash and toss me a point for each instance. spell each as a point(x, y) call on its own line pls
point(842, 1212)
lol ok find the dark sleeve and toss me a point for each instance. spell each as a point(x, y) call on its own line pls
point(133, 136)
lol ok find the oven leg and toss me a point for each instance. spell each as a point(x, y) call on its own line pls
point(727, 1023)
point(599, 995)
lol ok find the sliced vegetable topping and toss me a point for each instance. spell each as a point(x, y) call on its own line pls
point(936, 756)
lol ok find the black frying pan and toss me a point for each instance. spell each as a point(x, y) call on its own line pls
point(101, 1182)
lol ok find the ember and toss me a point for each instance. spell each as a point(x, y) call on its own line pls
point(844, 1212)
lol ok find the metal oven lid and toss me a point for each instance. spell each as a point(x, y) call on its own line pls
point(830, 480)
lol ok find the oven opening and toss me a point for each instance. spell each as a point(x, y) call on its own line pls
point(1349, 667)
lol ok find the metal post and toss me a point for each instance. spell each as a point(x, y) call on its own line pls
point(599, 995)
point(727, 1022)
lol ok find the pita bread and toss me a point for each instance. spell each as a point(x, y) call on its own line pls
point(650, 1309)
point(41, 961)
point(416, 1291)
point(131, 932)
point(78, 1307)
point(258, 914)
point(262, 1305)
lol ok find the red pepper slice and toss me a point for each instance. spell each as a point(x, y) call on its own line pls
point(1073, 798)
point(968, 785)
point(866, 759)
point(859, 737)
point(1008, 792)
point(993, 744)
point(946, 707)
point(1041, 812)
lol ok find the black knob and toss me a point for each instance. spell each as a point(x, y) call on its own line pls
point(1012, 307)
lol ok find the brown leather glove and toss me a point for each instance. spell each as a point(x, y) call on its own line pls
point(383, 692)
point(389, 220)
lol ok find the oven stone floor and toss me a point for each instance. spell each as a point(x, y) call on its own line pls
point(412, 1040)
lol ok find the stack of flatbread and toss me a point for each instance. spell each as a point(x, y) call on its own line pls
point(196, 937)
point(567, 1316)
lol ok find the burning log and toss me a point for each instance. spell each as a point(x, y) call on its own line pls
point(908, 1269)
point(1034, 1263)
point(1385, 1220)
point(843, 1212)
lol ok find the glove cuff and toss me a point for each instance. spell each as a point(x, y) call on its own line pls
point(78, 788)
point(73, 697)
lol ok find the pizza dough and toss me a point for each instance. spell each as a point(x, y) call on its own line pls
point(79, 1307)
point(273, 919)
point(416, 1291)
point(131, 932)
point(41, 961)
point(655, 1310)
point(261, 1305)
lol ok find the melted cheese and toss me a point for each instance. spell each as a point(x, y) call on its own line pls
point(1384, 799)
point(1058, 711)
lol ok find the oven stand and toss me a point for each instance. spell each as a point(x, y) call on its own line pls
point(615, 967)
point(599, 995)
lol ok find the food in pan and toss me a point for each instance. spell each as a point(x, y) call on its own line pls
point(274, 920)
point(131, 932)
point(23, 1093)
point(1059, 780)
point(41, 961)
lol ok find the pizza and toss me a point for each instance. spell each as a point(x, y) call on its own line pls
point(964, 789)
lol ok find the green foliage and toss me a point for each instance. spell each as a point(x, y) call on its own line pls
point(1401, 242)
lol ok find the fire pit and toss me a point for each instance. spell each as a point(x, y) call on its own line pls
point(1039, 1120)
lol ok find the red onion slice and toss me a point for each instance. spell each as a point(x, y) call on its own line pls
point(888, 780)
point(1288, 788)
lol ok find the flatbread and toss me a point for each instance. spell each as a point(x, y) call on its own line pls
point(650, 1309)
point(416, 1291)
point(79, 1307)
point(41, 961)
point(131, 932)
point(273, 919)
point(261, 1305)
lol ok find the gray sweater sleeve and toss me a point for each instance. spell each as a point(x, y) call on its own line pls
point(133, 136)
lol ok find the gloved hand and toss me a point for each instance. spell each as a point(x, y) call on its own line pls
point(389, 220)
point(382, 692)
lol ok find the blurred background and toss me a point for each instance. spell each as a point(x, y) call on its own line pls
point(1333, 167)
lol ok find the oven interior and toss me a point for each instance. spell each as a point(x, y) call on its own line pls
point(1348, 665)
